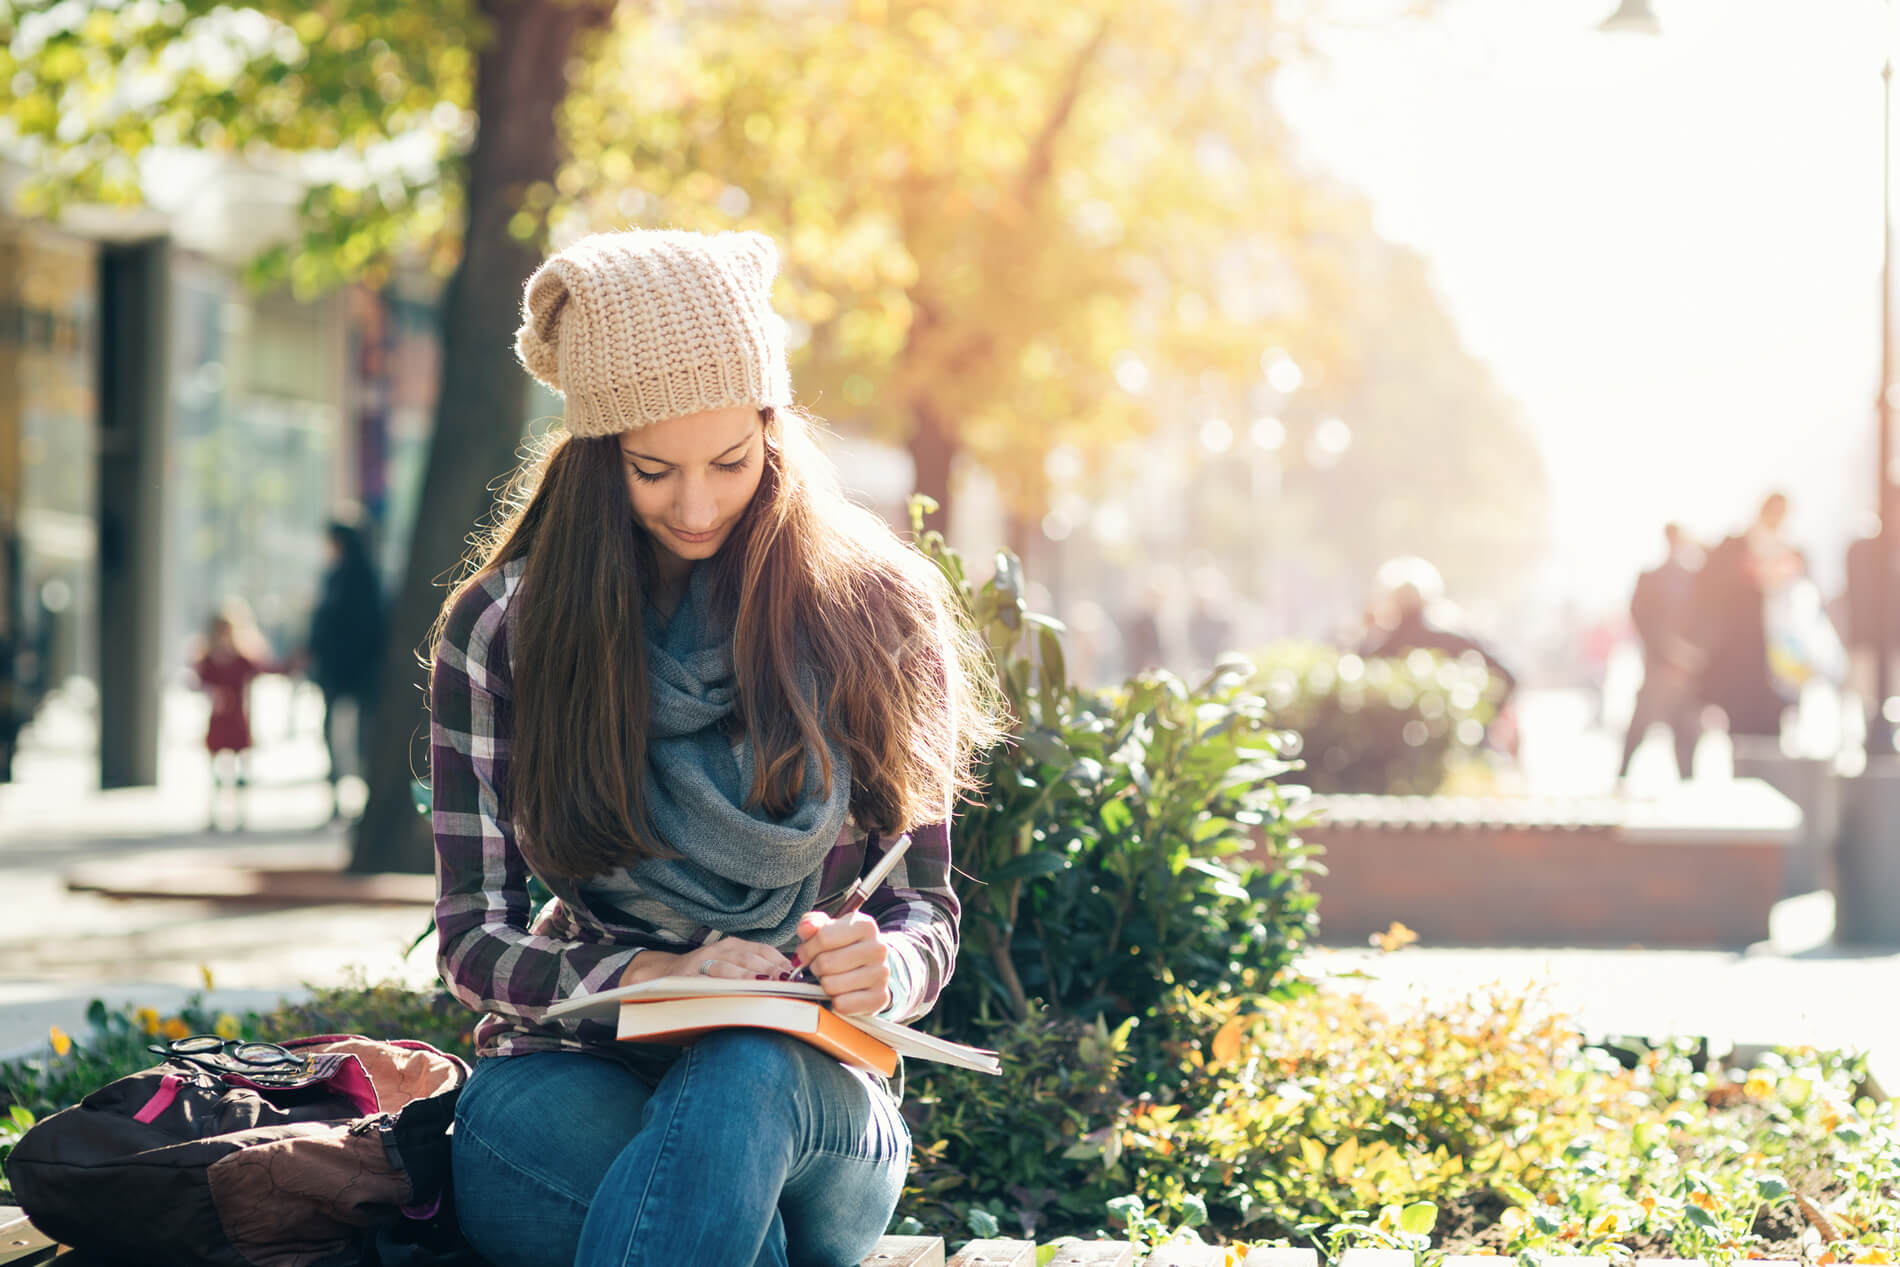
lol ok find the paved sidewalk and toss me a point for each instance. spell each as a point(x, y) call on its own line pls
point(60, 949)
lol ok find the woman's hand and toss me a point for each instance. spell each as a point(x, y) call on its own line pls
point(729, 957)
point(847, 959)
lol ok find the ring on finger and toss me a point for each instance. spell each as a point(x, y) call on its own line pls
point(705, 967)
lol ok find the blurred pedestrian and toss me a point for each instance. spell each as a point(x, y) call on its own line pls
point(1210, 619)
point(231, 656)
point(345, 644)
point(1866, 631)
point(1410, 613)
point(1727, 622)
point(1659, 613)
point(1143, 640)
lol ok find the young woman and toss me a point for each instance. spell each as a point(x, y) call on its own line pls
point(696, 692)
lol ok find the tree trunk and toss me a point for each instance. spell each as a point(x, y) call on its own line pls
point(933, 451)
point(520, 83)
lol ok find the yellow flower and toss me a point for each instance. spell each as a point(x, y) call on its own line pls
point(1648, 1204)
point(175, 1028)
point(204, 970)
point(1605, 1225)
point(1759, 1086)
point(1875, 1254)
point(1702, 1199)
point(227, 1026)
point(147, 1019)
point(62, 1042)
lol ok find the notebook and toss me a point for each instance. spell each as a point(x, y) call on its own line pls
point(679, 1009)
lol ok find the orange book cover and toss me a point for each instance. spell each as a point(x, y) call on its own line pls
point(681, 1020)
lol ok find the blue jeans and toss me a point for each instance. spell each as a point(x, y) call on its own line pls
point(754, 1148)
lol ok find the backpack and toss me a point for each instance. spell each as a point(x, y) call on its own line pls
point(199, 1161)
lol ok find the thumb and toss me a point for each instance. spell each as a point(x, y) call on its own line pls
point(813, 921)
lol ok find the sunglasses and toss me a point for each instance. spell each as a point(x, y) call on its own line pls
point(262, 1062)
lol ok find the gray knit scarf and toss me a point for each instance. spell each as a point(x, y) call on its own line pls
point(741, 871)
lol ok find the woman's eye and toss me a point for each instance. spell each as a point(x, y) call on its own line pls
point(646, 478)
point(734, 467)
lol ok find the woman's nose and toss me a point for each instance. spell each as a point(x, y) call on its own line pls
point(697, 510)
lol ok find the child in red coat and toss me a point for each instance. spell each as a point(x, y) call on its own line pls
point(232, 656)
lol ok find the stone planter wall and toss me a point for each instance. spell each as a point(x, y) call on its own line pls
point(1700, 869)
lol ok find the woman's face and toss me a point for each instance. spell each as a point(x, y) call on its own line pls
point(690, 478)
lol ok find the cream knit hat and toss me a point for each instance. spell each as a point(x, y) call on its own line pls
point(637, 327)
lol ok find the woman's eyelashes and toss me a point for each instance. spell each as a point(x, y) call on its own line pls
point(654, 477)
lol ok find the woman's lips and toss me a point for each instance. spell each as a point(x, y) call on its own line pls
point(693, 538)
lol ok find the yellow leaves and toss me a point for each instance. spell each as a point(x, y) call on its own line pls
point(61, 1040)
point(1313, 1153)
point(1345, 1157)
point(1227, 1043)
point(1397, 937)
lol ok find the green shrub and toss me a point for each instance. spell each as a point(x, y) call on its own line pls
point(1381, 726)
point(1128, 840)
point(1021, 1152)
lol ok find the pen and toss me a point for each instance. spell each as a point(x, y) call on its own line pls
point(862, 890)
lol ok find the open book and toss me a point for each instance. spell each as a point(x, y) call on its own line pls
point(680, 1009)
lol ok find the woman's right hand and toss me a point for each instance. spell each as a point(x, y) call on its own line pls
point(730, 957)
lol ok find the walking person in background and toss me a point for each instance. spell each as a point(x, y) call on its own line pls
point(1659, 612)
point(1727, 622)
point(1871, 628)
point(346, 639)
point(232, 655)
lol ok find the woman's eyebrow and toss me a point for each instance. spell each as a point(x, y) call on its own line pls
point(648, 457)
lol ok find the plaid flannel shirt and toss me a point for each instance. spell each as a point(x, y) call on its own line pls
point(496, 962)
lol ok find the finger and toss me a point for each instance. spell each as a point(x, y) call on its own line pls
point(863, 977)
point(761, 959)
point(837, 934)
point(853, 958)
point(862, 1002)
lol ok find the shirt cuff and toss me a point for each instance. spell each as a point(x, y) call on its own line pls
point(902, 989)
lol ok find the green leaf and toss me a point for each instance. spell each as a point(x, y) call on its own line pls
point(1700, 1217)
point(1055, 673)
point(1046, 746)
point(982, 1222)
point(1035, 863)
point(21, 1115)
point(1419, 1218)
point(1771, 1188)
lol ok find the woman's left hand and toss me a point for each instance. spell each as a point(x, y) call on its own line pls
point(847, 959)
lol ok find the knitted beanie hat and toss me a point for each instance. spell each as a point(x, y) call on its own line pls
point(637, 327)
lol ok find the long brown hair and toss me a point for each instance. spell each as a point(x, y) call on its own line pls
point(806, 577)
